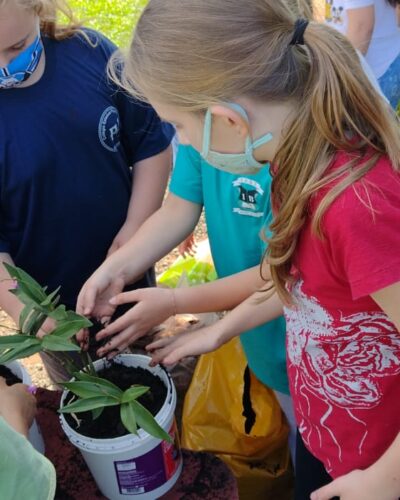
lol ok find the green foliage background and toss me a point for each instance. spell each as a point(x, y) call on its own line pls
point(114, 18)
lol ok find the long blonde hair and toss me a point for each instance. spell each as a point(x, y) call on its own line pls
point(48, 12)
point(195, 53)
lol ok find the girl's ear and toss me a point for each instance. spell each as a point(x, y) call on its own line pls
point(231, 119)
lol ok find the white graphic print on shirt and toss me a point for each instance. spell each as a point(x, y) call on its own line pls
point(336, 368)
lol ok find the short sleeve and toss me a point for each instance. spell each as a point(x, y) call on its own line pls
point(143, 134)
point(363, 231)
point(357, 4)
point(24, 473)
point(186, 179)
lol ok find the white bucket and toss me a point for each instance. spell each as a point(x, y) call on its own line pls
point(140, 466)
point(35, 436)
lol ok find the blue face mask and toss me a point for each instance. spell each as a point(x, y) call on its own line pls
point(240, 163)
point(22, 67)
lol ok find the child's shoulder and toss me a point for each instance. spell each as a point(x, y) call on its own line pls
point(373, 197)
point(88, 42)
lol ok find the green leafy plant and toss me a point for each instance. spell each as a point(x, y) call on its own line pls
point(38, 306)
point(94, 393)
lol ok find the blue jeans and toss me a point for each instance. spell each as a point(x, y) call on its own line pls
point(390, 83)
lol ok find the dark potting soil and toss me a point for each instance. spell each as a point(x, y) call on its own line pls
point(109, 425)
point(94, 345)
point(11, 379)
point(97, 326)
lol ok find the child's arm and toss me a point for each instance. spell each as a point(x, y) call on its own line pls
point(17, 406)
point(154, 305)
point(360, 26)
point(251, 313)
point(8, 302)
point(150, 178)
point(382, 479)
point(162, 232)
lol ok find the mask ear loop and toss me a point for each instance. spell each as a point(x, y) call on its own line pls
point(207, 134)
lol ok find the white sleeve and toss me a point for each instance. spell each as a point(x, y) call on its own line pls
point(357, 4)
point(371, 76)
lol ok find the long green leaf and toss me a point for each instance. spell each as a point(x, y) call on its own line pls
point(22, 353)
point(24, 298)
point(52, 343)
point(49, 299)
point(68, 329)
point(12, 341)
point(148, 423)
point(27, 284)
point(38, 324)
point(24, 315)
point(91, 389)
point(134, 393)
point(59, 314)
point(85, 377)
point(89, 404)
point(128, 418)
point(73, 316)
point(30, 322)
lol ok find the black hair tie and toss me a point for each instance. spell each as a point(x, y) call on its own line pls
point(300, 27)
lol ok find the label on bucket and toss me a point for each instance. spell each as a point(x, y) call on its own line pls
point(150, 471)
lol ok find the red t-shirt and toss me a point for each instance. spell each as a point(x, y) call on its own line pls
point(343, 351)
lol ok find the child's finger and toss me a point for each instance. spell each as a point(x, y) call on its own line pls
point(158, 356)
point(174, 357)
point(125, 298)
point(86, 301)
point(160, 343)
point(116, 327)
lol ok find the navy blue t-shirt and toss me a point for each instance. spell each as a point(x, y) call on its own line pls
point(66, 147)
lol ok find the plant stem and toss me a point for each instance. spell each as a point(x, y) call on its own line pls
point(88, 362)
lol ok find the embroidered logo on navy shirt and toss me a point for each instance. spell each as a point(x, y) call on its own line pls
point(109, 129)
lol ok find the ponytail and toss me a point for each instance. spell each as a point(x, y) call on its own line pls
point(196, 53)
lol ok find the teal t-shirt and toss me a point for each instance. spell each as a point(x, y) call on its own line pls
point(237, 208)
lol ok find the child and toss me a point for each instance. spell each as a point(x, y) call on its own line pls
point(24, 473)
point(371, 26)
point(68, 140)
point(236, 207)
point(333, 252)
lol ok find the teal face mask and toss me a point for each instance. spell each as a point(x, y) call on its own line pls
point(240, 163)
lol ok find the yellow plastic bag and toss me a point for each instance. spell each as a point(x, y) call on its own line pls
point(228, 412)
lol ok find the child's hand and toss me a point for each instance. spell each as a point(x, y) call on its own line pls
point(94, 297)
point(153, 306)
point(188, 247)
point(17, 406)
point(170, 350)
point(48, 326)
point(358, 484)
